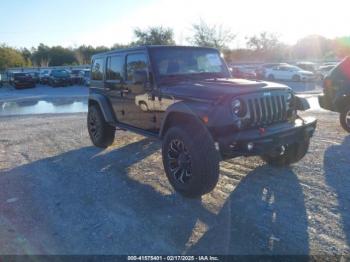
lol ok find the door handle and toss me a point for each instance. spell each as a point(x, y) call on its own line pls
point(124, 92)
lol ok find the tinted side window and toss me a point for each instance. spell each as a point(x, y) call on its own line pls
point(135, 62)
point(97, 69)
point(115, 67)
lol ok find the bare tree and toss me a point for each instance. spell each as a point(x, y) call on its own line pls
point(266, 46)
point(211, 35)
point(154, 36)
point(264, 41)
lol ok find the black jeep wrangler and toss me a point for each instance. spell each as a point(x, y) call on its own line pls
point(186, 97)
point(336, 92)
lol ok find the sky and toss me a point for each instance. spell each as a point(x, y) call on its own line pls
point(72, 23)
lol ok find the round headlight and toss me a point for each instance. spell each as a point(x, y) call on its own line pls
point(237, 107)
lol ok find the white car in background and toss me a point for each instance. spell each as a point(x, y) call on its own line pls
point(289, 72)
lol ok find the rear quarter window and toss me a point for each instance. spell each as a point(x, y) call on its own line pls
point(97, 69)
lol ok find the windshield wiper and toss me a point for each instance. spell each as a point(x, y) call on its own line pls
point(192, 76)
point(209, 75)
point(174, 78)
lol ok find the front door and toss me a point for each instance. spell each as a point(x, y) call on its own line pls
point(138, 99)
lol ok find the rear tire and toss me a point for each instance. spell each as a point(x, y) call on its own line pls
point(101, 133)
point(345, 118)
point(292, 154)
point(193, 170)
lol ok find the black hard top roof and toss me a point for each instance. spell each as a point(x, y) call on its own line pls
point(145, 47)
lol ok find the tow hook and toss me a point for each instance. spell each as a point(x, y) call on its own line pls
point(279, 151)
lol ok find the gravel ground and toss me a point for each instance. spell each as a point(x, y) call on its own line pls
point(61, 195)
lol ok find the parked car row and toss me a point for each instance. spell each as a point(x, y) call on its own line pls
point(64, 77)
point(302, 71)
point(54, 78)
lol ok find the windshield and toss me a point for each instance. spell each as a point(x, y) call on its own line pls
point(183, 62)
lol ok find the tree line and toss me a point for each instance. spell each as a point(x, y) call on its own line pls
point(263, 47)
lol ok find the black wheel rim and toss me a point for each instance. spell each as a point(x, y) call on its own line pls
point(93, 125)
point(179, 161)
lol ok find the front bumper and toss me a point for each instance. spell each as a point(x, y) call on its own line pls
point(24, 84)
point(267, 140)
point(60, 82)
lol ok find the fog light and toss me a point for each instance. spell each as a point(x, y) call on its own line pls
point(250, 146)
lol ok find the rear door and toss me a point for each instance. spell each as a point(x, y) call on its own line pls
point(114, 83)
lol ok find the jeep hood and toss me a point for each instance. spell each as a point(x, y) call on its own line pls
point(213, 89)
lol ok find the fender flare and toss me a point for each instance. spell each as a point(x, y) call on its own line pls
point(105, 107)
point(178, 108)
point(341, 100)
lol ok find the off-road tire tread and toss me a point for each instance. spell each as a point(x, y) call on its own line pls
point(205, 159)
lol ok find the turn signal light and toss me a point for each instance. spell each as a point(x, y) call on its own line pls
point(205, 119)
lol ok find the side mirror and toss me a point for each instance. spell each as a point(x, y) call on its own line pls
point(140, 77)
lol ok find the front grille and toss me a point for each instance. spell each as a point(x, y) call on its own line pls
point(265, 110)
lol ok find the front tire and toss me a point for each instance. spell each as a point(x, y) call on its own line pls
point(345, 118)
point(190, 160)
point(101, 133)
point(292, 154)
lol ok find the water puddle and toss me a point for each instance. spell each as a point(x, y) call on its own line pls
point(44, 106)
